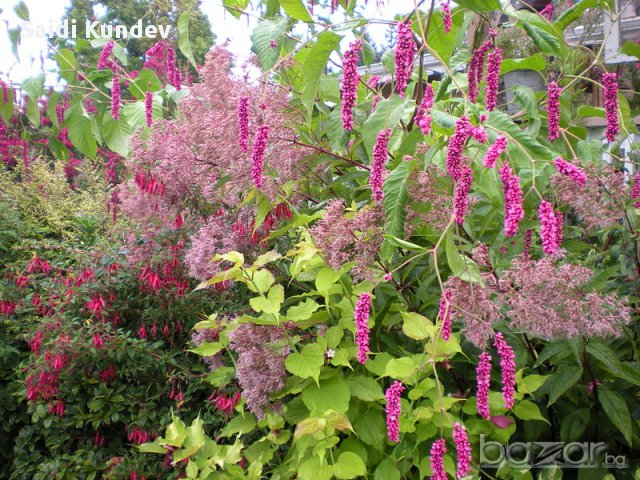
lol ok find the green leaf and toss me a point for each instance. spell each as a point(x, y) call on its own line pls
point(67, 64)
point(176, 433)
point(572, 14)
point(306, 363)
point(403, 368)
point(574, 425)
point(535, 62)
point(80, 131)
point(630, 48)
point(221, 376)
point(545, 41)
point(387, 470)
point(303, 310)
point(395, 201)
point(236, 7)
point(365, 388)
point(22, 11)
point(152, 447)
point(116, 134)
point(315, 63)
point(527, 410)
point(531, 383)
point(416, 326)
point(517, 138)
point(239, 424)
point(309, 426)
point(386, 115)
point(461, 266)
point(296, 9)
point(329, 394)
point(146, 81)
point(561, 381)
point(265, 32)
point(208, 349)
point(184, 44)
point(398, 242)
point(527, 98)
point(349, 465)
point(590, 150)
point(34, 86)
point(480, 5)
point(325, 279)
point(617, 410)
point(262, 280)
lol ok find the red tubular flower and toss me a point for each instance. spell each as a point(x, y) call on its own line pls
point(461, 196)
point(404, 53)
point(361, 319)
point(438, 450)
point(103, 61)
point(495, 150)
point(393, 410)
point(380, 154)
point(115, 97)
point(349, 85)
point(257, 155)
point(513, 211)
point(610, 82)
point(148, 107)
point(548, 228)
point(243, 124)
point(494, 61)
point(508, 369)
point(483, 380)
point(570, 170)
point(463, 450)
point(553, 111)
point(446, 19)
point(456, 145)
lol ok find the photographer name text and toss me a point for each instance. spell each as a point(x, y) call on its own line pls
point(93, 29)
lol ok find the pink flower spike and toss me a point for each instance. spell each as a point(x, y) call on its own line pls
point(243, 124)
point(610, 82)
point(361, 319)
point(463, 450)
point(148, 107)
point(103, 61)
point(548, 11)
point(393, 410)
point(495, 150)
point(404, 56)
point(456, 146)
point(571, 171)
point(461, 195)
point(438, 450)
point(115, 97)
point(444, 313)
point(548, 228)
point(553, 111)
point(635, 190)
point(494, 61)
point(446, 19)
point(380, 154)
point(513, 210)
point(349, 84)
point(508, 368)
point(483, 380)
point(257, 155)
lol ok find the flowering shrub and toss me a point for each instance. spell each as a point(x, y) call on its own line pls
point(393, 272)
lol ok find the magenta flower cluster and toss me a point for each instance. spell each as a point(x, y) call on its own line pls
point(553, 111)
point(377, 168)
point(438, 450)
point(404, 56)
point(115, 97)
point(571, 171)
point(494, 61)
point(610, 82)
point(461, 195)
point(463, 450)
point(446, 19)
point(476, 69)
point(423, 120)
point(513, 210)
point(495, 150)
point(172, 70)
point(456, 145)
point(548, 228)
point(483, 381)
point(508, 369)
point(243, 124)
point(260, 142)
point(349, 85)
point(393, 410)
point(148, 107)
point(444, 313)
point(103, 60)
point(361, 320)
point(548, 11)
point(635, 190)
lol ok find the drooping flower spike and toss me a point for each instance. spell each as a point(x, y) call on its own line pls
point(483, 381)
point(553, 111)
point(361, 319)
point(610, 82)
point(257, 155)
point(463, 450)
point(393, 410)
point(349, 84)
point(380, 154)
point(508, 369)
point(404, 56)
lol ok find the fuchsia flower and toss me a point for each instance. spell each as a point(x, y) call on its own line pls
point(548, 11)
point(380, 154)
point(243, 123)
point(570, 170)
point(508, 369)
point(610, 82)
point(479, 134)
point(548, 228)
point(635, 190)
point(361, 319)
point(495, 150)
point(423, 120)
point(553, 111)
point(476, 69)
point(172, 71)
point(483, 380)
point(456, 145)
point(404, 53)
point(97, 340)
point(438, 450)
point(494, 61)
point(115, 97)
point(349, 85)
point(446, 19)
point(393, 410)
point(461, 196)
point(513, 211)
point(444, 313)
point(148, 107)
point(463, 450)
point(257, 155)
point(103, 61)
